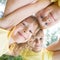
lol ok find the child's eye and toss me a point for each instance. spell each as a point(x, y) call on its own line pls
point(41, 16)
point(46, 23)
point(30, 31)
point(40, 38)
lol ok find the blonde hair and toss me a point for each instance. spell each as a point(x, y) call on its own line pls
point(57, 1)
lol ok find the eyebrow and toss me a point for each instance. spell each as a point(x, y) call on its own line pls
point(24, 24)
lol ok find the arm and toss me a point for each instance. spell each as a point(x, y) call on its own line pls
point(15, 4)
point(56, 55)
point(54, 47)
point(20, 14)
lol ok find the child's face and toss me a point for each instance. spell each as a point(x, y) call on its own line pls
point(37, 42)
point(24, 30)
point(48, 16)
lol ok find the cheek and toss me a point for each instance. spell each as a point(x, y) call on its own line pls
point(21, 29)
point(27, 34)
point(14, 37)
point(31, 43)
point(20, 40)
point(33, 28)
point(56, 15)
point(12, 33)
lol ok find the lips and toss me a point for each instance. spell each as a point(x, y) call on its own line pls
point(39, 45)
point(52, 16)
point(38, 48)
point(21, 35)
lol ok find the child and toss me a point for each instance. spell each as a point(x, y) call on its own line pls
point(23, 31)
point(34, 48)
point(19, 34)
point(49, 16)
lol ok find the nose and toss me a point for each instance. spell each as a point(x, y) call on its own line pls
point(37, 41)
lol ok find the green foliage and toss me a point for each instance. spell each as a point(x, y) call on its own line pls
point(3, 1)
point(8, 57)
point(52, 37)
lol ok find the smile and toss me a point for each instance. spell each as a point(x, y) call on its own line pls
point(52, 16)
point(21, 35)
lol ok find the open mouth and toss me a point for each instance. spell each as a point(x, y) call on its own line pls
point(21, 35)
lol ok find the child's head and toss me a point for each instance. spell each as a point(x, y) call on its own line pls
point(48, 16)
point(23, 31)
point(36, 42)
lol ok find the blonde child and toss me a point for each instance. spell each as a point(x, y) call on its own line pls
point(34, 48)
point(19, 34)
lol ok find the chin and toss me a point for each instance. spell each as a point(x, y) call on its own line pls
point(38, 50)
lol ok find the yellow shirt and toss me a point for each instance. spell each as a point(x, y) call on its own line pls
point(4, 42)
point(30, 55)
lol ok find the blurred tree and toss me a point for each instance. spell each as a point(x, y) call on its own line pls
point(3, 1)
point(51, 37)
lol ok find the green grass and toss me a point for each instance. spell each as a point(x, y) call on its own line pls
point(9, 57)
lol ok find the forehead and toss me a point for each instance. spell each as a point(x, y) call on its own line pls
point(40, 33)
point(39, 36)
point(52, 8)
point(28, 21)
